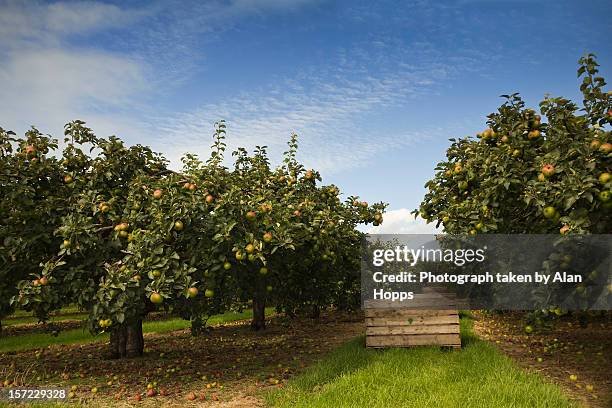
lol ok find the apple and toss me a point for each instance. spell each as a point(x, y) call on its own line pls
point(595, 144)
point(516, 153)
point(548, 170)
point(263, 270)
point(251, 215)
point(267, 237)
point(124, 234)
point(309, 175)
point(473, 232)
point(463, 185)
point(269, 288)
point(192, 187)
point(94, 390)
point(209, 198)
point(191, 396)
point(30, 149)
point(227, 266)
point(606, 148)
point(549, 212)
point(156, 298)
point(68, 179)
point(564, 229)
point(378, 217)
point(192, 292)
point(151, 392)
point(604, 196)
point(528, 329)
point(186, 186)
point(445, 220)
point(479, 226)
point(250, 248)
point(240, 255)
point(604, 178)
point(364, 204)
point(157, 194)
point(178, 226)
point(356, 203)
point(589, 387)
point(251, 257)
point(534, 134)
point(156, 274)
point(209, 293)
point(138, 397)
point(66, 243)
point(505, 139)
point(297, 213)
point(44, 281)
point(541, 177)
point(573, 377)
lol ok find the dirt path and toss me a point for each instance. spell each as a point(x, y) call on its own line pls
point(564, 351)
point(229, 366)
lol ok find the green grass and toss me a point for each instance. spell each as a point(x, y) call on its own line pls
point(477, 376)
point(40, 340)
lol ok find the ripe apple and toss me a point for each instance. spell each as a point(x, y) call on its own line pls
point(263, 270)
point(210, 198)
point(479, 226)
point(378, 217)
point(533, 134)
point(157, 194)
point(364, 204)
point(138, 397)
point(240, 256)
point(250, 248)
point(227, 266)
point(36, 282)
point(564, 229)
point(251, 215)
point(209, 293)
point(297, 213)
point(191, 396)
point(606, 148)
point(156, 298)
point(151, 392)
point(94, 390)
point(504, 139)
point(192, 292)
point(30, 149)
point(309, 175)
point(44, 281)
point(192, 187)
point(178, 226)
point(604, 178)
point(68, 179)
point(549, 212)
point(267, 237)
point(548, 170)
point(186, 185)
point(595, 144)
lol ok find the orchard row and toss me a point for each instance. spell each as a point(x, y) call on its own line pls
point(112, 229)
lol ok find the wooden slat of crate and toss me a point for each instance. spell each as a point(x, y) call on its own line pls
point(408, 312)
point(412, 329)
point(447, 340)
point(412, 321)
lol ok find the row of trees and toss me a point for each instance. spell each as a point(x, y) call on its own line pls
point(114, 230)
point(524, 176)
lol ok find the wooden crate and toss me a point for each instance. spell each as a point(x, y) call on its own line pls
point(390, 326)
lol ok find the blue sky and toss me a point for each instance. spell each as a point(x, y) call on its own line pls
point(374, 89)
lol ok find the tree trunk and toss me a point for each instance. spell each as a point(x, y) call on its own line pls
point(259, 314)
point(127, 340)
point(0, 328)
point(315, 312)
